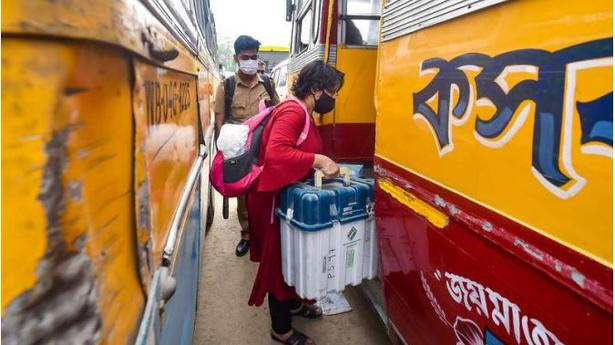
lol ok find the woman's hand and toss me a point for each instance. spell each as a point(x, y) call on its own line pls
point(325, 164)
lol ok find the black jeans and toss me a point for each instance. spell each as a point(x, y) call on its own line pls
point(280, 313)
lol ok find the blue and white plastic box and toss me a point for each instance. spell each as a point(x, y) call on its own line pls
point(328, 235)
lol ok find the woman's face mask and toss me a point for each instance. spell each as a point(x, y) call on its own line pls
point(248, 66)
point(324, 104)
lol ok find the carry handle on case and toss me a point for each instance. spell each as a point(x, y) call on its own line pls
point(318, 176)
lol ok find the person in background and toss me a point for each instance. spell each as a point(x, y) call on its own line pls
point(261, 67)
point(285, 162)
point(237, 99)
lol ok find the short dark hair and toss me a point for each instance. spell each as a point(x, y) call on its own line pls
point(317, 75)
point(245, 42)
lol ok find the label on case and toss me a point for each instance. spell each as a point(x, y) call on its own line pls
point(350, 257)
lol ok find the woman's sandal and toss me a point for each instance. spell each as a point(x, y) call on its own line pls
point(308, 311)
point(296, 338)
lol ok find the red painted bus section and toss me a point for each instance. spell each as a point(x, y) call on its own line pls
point(349, 142)
point(483, 279)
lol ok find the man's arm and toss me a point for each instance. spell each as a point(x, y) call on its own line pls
point(219, 123)
point(276, 98)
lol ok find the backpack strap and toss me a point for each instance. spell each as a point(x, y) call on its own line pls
point(306, 126)
point(267, 84)
point(229, 93)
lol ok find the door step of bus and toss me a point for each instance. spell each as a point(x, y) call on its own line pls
point(372, 291)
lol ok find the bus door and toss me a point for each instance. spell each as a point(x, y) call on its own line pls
point(352, 125)
point(348, 41)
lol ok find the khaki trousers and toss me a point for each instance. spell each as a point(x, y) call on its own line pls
point(242, 215)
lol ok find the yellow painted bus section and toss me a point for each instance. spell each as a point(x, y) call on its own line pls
point(280, 49)
point(498, 173)
point(67, 186)
point(355, 101)
point(126, 23)
point(166, 146)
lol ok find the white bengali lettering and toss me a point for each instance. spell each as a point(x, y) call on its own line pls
point(501, 311)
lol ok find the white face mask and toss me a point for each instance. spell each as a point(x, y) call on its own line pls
point(248, 66)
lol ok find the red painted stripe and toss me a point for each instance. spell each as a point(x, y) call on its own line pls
point(323, 23)
point(349, 142)
point(578, 272)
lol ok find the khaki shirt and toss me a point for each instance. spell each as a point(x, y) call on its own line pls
point(246, 98)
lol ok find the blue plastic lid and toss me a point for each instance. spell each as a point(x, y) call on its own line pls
point(309, 208)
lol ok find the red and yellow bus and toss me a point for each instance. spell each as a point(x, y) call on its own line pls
point(494, 170)
point(345, 35)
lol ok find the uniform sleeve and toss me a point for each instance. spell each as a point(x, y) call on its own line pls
point(283, 162)
point(276, 97)
point(219, 100)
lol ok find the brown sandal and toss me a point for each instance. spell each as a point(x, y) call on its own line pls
point(296, 338)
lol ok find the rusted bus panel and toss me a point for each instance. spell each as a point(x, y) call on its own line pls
point(126, 23)
point(68, 245)
point(166, 144)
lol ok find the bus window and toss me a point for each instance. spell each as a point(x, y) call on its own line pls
point(303, 31)
point(282, 75)
point(316, 22)
point(361, 22)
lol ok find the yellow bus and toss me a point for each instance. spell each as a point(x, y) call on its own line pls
point(494, 169)
point(106, 140)
point(344, 34)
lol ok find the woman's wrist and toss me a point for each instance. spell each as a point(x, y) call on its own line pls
point(318, 158)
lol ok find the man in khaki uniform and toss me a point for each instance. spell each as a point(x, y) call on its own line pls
point(247, 89)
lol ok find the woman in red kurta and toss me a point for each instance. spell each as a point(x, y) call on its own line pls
point(285, 162)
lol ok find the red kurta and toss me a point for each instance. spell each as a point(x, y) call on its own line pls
point(284, 163)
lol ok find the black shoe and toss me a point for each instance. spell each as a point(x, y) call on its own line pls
point(242, 247)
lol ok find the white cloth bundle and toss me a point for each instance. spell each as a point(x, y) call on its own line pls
point(232, 140)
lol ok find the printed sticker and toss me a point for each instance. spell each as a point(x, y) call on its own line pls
point(350, 258)
point(352, 233)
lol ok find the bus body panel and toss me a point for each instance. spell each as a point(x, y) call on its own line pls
point(68, 253)
point(180, 312)
point(441, 281)
point(494, 173)
point(105, 111)
point(166, 134)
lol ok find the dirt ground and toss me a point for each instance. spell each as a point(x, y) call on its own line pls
point(223, 314)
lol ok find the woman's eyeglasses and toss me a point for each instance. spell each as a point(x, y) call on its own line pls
point(331, 94)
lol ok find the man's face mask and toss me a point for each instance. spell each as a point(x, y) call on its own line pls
point(248, 66)
point(324, 104)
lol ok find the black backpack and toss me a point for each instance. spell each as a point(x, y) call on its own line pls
point(229, 92)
